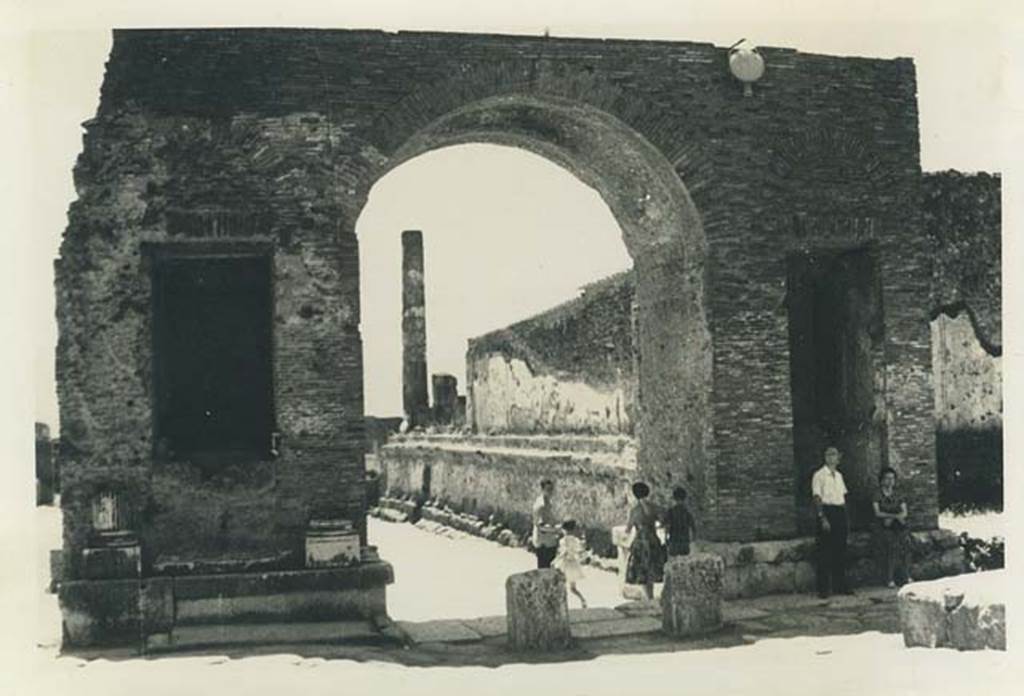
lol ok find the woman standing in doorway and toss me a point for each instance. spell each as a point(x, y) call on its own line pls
point(646, 554)
point(891, 536)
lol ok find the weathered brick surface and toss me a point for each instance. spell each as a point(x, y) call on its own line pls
point(963, 220)
point(276, 136)
point(569, 369)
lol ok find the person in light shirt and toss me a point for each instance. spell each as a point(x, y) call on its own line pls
point(546, 530)
point(829, 491)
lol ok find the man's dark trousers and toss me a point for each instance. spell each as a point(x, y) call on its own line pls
point(832, 550)
point(545, 555)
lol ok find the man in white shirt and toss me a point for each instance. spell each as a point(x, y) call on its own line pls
point(829, 491)
point(546, 531)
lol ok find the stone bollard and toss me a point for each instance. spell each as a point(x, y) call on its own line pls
point(691, 600)
point(537, 610)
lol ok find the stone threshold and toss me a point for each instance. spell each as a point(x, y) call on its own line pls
point(205, 637)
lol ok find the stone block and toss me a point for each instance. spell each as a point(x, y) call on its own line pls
point(691, 599)
point(156, 604)
point(537, 611)
point(111, 562)
point(356, 592)
point(623, 626)
point(100, 613)
point(966, 612)
point(331, 543)
point(440, 631)
point(805, 576)
point(939, 564)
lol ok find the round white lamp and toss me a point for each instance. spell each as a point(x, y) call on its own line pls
point(746, 65)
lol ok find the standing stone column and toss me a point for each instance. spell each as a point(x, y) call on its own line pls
point(691, 599)
point(537, 611)
point(414, 331)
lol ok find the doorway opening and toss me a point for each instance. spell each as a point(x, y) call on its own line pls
point(835, 328)
point(212, 348)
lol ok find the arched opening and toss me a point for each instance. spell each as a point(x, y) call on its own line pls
point(507, 235)
point(662, 231)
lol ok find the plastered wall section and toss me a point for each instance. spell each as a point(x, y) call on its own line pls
point(570, 369)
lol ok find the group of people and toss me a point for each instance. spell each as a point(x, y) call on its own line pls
point(561, 544)
point(890, 532)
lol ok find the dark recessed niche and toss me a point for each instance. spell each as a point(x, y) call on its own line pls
point(212, 356)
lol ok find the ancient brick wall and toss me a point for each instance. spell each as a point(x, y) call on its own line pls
point(963, 220)
point(276, 136)
point(569, 369)
point(153, 183)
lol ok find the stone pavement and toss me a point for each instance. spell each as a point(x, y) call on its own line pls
point(746, 621)
point(632, 627)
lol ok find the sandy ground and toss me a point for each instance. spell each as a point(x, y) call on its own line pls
point(436, 576)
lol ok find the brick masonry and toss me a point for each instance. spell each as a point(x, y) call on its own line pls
point(275, 137)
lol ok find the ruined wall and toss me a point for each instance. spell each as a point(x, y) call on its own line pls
point(500, 476)
point(963, 218)
point(278, 135)
point(152, 183)
point(570, 369)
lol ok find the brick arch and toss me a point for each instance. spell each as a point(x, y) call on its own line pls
point(663, 233)
point(543, 78)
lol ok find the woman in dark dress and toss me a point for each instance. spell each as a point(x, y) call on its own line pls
point(891, 535)
point(646, 554)
point(679, 525)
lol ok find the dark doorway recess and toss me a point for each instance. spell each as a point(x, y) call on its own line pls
point(212, 358)
point(835, 331)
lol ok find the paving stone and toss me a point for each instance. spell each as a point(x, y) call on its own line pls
point(619, 627)
point(753, 626)
point(739, 613)
point(640, 608)
point(440, 631)
point(594, 614)
point(488, 626)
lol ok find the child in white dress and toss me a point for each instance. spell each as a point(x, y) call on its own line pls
point(569, 557)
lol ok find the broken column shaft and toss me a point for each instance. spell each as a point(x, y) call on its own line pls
point(414, 331)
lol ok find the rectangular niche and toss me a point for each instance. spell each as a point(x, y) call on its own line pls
point(213, 354)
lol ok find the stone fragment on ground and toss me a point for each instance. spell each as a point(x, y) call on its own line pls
point(537, 611)
point(966, 612)
point(691, 600)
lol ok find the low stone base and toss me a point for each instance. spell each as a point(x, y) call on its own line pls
point(781, 567)
point(126, 612)
point(966, 613)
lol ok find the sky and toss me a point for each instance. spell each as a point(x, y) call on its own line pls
point(499, 224)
